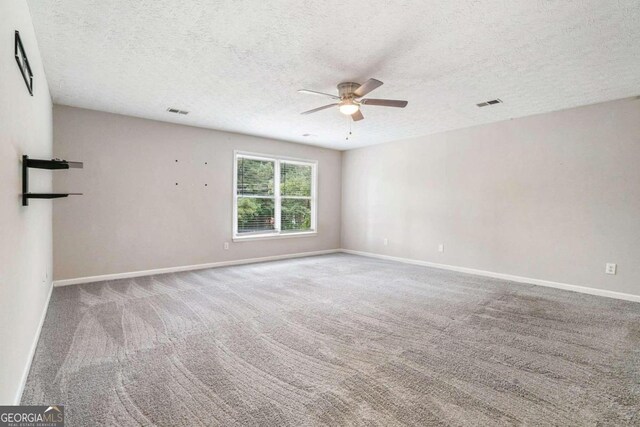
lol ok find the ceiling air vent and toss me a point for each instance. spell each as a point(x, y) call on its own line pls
point(492, 102)
point(176, 111)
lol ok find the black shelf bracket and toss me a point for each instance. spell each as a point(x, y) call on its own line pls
point(53, 164)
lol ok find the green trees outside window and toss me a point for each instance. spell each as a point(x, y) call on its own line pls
point(274, 196)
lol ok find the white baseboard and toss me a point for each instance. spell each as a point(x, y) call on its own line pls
point(509, 277)
point(32, 351)
point(102, 278)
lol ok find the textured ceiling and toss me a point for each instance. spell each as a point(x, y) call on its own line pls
point(236, 64)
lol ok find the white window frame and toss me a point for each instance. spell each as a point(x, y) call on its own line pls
point(277, 233)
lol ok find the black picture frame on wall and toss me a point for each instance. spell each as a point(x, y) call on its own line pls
point(23, 63)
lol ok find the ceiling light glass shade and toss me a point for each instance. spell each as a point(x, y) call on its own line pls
point(348, 108)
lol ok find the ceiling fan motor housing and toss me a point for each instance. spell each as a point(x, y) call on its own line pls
point(346, 89)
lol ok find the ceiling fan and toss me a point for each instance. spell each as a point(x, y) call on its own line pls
point(350, 98)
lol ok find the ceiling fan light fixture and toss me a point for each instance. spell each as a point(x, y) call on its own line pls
point(348, 108)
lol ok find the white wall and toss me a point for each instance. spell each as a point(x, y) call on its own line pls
point(25, 232)
point(551, 197)
point(132, 217)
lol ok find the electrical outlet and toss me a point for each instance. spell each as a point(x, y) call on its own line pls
point(226, 246)
point(441, 247)
point(386, 241)
point(610, 268)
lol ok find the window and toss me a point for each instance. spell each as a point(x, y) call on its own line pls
point(273, 197)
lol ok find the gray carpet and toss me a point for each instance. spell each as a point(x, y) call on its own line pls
point(336, 340)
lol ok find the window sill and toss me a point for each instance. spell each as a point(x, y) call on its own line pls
point(274, 236)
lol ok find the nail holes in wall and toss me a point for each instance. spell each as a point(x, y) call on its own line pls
point(206, 163)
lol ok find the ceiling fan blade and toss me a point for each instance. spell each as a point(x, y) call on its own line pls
point(318, 109)
point(313, 92)
point(367, 87)
point(357, 116)
point(384, 102)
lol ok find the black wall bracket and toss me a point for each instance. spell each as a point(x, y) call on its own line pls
point(23, 63)
point(43, 164)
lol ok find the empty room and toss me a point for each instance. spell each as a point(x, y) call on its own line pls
point(290, 213)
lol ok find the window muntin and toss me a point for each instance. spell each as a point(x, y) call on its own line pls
point(273, 196)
